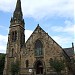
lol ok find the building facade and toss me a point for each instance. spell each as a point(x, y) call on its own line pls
point(34, 55)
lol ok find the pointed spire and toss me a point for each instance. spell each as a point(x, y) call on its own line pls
point(18, 11)
point(18, 6)
point(17, 15)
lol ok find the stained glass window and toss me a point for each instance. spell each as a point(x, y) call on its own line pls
point(38, 48)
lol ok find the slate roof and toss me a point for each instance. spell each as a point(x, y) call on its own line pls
point(69, 51)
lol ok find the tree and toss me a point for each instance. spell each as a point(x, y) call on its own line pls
point(15, 68)
point(57, 65)
point(72, 66)
point(2, 61)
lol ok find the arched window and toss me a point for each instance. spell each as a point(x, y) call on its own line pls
point(38, 48)
point(14, 36)
point(27, 63)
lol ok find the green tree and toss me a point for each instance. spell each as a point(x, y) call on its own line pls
point(57, 65)
point(2, 61)
point(15, 68)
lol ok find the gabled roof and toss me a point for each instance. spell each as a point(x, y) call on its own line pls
point(39, 28)
point(69, 51)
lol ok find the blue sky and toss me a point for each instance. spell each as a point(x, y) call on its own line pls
point(56, 17)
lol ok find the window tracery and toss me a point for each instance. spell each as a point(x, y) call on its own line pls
point(38, 48)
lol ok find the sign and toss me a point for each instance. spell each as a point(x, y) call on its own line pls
point(30, 70)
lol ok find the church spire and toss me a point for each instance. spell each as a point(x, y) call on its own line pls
point(18, 5)
point(17, 15)
point(18, 12)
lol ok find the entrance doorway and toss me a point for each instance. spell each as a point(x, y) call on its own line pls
point(39, 67)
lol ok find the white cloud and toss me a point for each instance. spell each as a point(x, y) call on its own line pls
point(3, 42)
point(41, 8)
point(27, 34)
point(68, 28)
point(7, 5)
point(68, 37)
point(63, 41)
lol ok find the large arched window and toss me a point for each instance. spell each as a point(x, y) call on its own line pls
point(38, 48)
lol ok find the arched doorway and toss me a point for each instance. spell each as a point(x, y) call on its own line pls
point(39, 67)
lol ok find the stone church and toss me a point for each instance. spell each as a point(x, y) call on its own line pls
point(34, 54)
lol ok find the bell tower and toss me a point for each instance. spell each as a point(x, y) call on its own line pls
point(16, 38)
point(16, 32)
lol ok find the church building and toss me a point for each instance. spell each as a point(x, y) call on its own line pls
point(35, 54)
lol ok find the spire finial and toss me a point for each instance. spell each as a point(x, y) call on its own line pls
point(18, 5)
point(72, 44)
point(38, 24)
point(17, 15)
